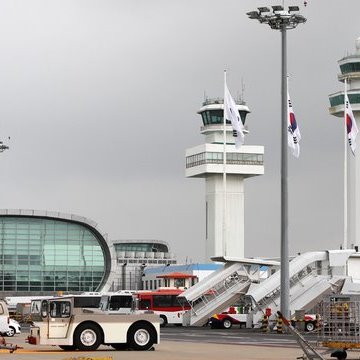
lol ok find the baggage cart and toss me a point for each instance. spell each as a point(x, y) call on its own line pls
point(340, 318)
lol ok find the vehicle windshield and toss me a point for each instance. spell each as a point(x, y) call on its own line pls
point(104, 302)
point(116, 302)
point(35, 307)
point(86, 301)
point(44, 308)
point(38, 310)
point(60, 309)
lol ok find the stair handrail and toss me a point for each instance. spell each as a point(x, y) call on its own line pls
point(215, 292)
point(295, 279)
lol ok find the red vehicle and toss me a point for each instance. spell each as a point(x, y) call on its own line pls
point(310, 322)
point(227, 319)
point(163, 302)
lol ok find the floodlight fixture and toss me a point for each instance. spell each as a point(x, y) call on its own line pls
point(253, 15)
point(278, 19)
point(264, 9)
point(277, 8)
point(3, 147)
point(297, 19)
point(293, 8)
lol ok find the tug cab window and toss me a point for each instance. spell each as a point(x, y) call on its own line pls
point(60, 309)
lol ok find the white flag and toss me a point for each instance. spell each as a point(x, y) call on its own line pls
point(352, 129)
point(294, 135)
point(231, 113)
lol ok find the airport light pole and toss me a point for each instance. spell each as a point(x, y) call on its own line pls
point(282, 20)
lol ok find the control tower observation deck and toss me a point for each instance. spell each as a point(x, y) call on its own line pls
point(223, 237)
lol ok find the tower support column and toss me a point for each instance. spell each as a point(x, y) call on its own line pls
point(234, 232)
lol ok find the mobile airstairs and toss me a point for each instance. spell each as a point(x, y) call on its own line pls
point(219, 290)
point(312, 275)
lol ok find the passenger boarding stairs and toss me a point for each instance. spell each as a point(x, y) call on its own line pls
point(312, 276)
point(215, 293)
point(309, 283)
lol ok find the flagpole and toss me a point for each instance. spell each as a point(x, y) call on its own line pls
point(224, 178)
point(345, 245)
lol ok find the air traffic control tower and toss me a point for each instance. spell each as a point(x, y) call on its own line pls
point(350, 70)
point(224, 237)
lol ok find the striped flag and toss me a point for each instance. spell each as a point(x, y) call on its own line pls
point(294, 135)
point(352, 129)
point(231, 113)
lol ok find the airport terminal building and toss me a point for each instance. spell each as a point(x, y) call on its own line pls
point(45, 252)
point(134, 257)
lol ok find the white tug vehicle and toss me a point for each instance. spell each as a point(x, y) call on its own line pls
point(62, 321)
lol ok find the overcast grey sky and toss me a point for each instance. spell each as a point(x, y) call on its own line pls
point(100, 99)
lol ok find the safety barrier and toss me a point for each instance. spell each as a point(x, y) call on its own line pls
point(279, 325)
point(265, 324)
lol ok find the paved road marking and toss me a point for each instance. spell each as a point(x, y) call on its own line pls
point(55, 351)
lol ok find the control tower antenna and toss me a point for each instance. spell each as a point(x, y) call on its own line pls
point(242, 98)
point(205, 97)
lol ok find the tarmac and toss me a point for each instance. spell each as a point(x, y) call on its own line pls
point(166, 350)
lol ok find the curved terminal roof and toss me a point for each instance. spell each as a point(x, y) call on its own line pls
point(142, 241)
point(92, 226)
point(51, 214)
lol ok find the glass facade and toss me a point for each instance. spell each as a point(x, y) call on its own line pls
point(210, 117)
point(339, 99)
point(350, 67)
point(217, 158)
point(134, 246)
point(42, 255)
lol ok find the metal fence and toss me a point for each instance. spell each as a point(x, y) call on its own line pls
point(340, 322)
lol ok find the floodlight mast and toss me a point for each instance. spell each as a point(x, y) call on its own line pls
point(282, 20)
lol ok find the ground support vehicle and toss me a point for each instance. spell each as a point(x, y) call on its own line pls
point(311, 322)
point(119, 302)
point(163, 302)
point(235, 315)
point(58, 322)
point(340, 328)
point(239, 314)
point(227, 319)
point(4, 318)
point(14, 328)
